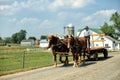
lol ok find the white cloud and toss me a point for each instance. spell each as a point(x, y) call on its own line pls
point(41, 5)
point(69, 15)
point(46, 24)
point(99, 17)
point(81, 3)
point(10, 9)
point(12, 20)
point(70, 3)
point(2, 7)
point(105, 12)
point(27, 22)
point(33, 22)
point(16, 6)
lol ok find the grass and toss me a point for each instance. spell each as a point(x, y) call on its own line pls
point(11, 59)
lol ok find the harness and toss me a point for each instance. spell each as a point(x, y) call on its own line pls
point(76, 45)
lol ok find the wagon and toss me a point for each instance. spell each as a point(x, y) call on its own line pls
point(100, 49)
point(94, 52)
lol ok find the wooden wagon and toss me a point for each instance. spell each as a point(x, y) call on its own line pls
point(100, 49)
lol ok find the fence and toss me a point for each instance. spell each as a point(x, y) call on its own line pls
point(17, 60)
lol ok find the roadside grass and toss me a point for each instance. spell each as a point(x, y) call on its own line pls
point(11, 61)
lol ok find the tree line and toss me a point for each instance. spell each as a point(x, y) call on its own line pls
point(17, 37)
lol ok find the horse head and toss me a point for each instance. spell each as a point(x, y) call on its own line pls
point(71, 41)
point(52, 40)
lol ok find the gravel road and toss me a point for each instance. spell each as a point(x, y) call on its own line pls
point(103, 69)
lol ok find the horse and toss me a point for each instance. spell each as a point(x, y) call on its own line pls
point(77, 45)
point(57, 45)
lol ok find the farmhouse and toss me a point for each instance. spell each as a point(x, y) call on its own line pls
point(43, 43)
point(101, 40)
point(27, 42)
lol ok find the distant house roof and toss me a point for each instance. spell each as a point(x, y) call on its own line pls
point(93, 29)
point(27, 40)
point(112, 39)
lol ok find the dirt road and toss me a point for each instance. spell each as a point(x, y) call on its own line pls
point(108, 69)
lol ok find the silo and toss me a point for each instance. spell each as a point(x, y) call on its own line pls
point(69, 29)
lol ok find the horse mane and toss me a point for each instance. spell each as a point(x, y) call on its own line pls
point(52, 36)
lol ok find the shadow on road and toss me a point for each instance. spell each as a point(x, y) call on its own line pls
point(102, 58)
point(67, 65)
point(99, 58)
point(87, 62)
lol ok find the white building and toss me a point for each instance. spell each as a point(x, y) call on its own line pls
point(43, 43)
point(97, 40)
point(27, 42)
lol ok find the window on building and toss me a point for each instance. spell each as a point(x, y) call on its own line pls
point(97, 45)
point(106, 45)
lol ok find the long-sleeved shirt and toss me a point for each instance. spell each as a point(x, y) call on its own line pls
point(86, 32)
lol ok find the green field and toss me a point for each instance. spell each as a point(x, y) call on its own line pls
point(12, 59)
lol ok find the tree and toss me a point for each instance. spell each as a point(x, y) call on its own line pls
point(116, 20)
point(43, 37)
point(108, 29)
point(7, 40)
point(19, 36)
point(32, 37)
point(0, 38)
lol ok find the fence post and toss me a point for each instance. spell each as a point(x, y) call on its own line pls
point(23, 60)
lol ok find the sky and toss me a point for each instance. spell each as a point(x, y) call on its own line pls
point(44, 17)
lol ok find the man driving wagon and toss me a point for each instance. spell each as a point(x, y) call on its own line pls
point(87, 37)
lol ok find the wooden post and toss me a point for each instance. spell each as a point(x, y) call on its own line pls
point(23, 60)
point(92, 42)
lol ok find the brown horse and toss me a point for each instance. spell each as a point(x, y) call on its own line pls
point(58, 46)
point(77, 46)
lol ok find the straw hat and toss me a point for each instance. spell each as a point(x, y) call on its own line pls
point(86, 27)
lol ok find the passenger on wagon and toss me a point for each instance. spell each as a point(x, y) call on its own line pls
point(87, 36)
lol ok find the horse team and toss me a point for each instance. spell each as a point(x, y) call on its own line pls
point(76, 45)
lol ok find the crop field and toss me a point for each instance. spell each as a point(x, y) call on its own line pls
point(16, 59)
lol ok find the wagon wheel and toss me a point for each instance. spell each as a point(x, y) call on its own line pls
point(105, 52)
point(95, 56)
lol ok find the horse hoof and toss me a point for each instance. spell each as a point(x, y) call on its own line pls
point(55, 65)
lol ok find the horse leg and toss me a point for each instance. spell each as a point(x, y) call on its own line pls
point(60, 59)
point(77, 60)
point(80, 58)
point(84, 57)
point(55, 61)
point(66, 60)
point(54, 58)
point(74, 60)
